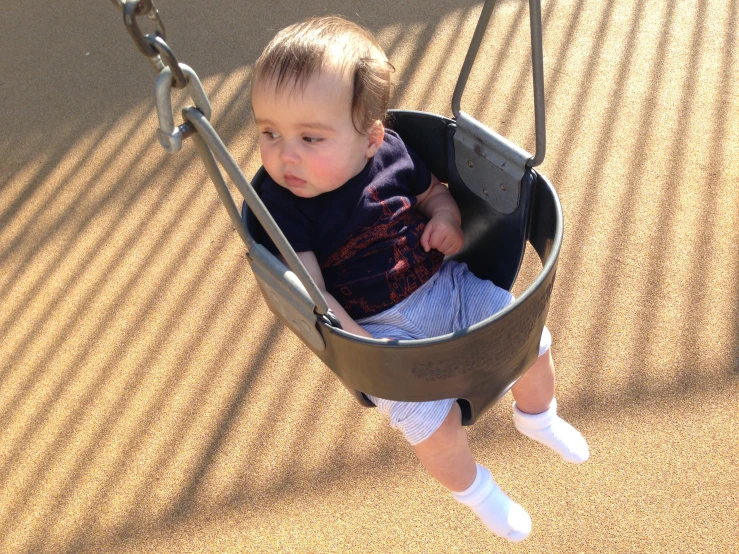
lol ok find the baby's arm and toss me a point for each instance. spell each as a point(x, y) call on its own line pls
point(444, 229)
point(311, 264)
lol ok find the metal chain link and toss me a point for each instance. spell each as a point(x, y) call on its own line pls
point(168, 58)
point(132, 9)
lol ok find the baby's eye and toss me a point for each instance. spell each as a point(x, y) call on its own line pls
point(312, 140)
point(271, 135)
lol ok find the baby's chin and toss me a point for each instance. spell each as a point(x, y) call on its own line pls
point(301, 191)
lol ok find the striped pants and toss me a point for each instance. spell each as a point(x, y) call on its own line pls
point(453, 299)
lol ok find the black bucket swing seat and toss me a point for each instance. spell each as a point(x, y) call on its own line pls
point(504, 202)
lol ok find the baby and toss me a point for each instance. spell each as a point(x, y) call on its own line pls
point(372, 226)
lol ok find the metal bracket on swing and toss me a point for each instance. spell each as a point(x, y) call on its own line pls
point(489, 164)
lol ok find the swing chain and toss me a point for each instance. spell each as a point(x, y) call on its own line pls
point(165, 53)
point(171, 72)
point(132, 9)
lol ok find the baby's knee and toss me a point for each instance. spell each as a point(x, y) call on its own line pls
point(416, 420)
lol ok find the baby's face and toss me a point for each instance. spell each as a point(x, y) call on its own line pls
point(307, 139)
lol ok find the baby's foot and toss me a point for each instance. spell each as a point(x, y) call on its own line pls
point(553, 431)
point(499, 513)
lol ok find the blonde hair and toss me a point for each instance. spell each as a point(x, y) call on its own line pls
point(301, 50)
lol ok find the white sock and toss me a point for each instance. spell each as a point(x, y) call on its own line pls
point(553, 431)
point(499, 513)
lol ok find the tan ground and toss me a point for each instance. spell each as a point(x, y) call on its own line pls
point(150, 403)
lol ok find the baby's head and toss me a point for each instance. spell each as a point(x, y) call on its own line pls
point(320, 93)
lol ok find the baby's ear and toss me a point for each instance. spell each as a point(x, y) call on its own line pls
point(375, 137)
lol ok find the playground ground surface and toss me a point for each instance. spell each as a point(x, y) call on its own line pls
point(150, 403)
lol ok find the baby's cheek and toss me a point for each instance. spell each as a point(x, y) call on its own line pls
point(268, 158)
point(331, 170)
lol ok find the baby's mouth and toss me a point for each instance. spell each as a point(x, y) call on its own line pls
point(293, 181)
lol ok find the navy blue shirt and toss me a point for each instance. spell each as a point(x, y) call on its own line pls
point(365, 234)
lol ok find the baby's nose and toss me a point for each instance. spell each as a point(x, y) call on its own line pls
point(289, 153)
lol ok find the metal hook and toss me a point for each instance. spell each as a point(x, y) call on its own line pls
point(170, 136)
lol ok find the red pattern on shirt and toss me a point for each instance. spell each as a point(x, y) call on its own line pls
point(411, 265)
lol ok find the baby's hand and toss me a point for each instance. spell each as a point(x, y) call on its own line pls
point(443, 233)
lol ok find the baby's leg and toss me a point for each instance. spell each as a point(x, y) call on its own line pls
point(534, 391)
point(435, 432)
point(535, 412)
point(446, 453)
point(446, 456)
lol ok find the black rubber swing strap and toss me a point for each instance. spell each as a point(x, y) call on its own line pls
point(537, 62)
